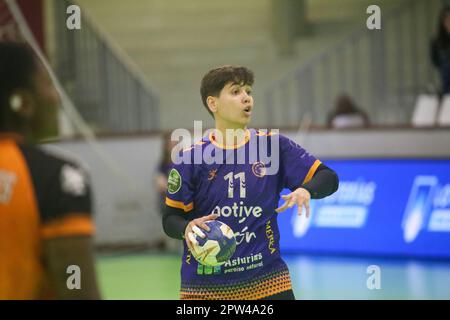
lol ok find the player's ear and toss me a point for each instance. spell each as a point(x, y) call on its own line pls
point(212, 103)
point(21, 103)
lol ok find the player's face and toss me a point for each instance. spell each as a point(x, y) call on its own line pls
point(45, 102)
point(234, 105)
point(447, 22)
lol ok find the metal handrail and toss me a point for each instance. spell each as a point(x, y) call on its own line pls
point(110, 91)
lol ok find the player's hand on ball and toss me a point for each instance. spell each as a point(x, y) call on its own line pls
point(194, 229)
point(300, 197)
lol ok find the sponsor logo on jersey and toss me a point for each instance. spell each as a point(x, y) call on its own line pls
point(270, 238)
point(239, 211)
point(174, 181)
point(244, 260)
point(244, 234)
point(73, 181)
point(7, 182)
point(259, 169)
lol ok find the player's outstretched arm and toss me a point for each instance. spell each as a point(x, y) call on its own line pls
point(324, 183)
point(299, 197)
point(60, 253)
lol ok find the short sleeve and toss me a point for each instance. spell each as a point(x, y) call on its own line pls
point(298, 166)
point(66, 208)
point(63, 193)
point(73, 190)
point(180, 187)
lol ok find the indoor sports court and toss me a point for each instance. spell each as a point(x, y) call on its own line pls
point(151, 276)
point(363, 87)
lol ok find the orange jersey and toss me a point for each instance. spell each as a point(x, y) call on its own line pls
point(41, 197)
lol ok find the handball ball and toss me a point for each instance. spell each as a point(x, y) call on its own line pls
point(218, 245)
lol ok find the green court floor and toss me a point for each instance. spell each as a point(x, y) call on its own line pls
point(143, 276)
point(157, 277)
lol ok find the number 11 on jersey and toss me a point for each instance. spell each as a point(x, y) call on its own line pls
point(230, 177)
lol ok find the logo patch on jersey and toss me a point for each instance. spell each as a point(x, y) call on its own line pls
point(259, 169)
point(212, 174)
point(7, 182)
point(73, 181)
point(270, 238)
point(174, 181)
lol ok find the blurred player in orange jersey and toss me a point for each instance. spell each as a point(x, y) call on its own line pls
point(45, 202)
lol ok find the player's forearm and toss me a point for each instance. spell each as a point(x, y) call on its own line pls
point(324, 183)
point(174, 223)
point(59, 254)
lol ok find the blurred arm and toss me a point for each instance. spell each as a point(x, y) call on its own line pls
point(61, 252)
point(161, 183)
point(434, 54)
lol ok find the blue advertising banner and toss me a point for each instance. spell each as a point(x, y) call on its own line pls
point(382, 207)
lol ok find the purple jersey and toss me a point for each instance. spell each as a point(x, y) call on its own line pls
point(245, 198)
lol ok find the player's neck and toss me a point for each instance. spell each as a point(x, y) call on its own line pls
point(230, 135)
point(15, 134)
